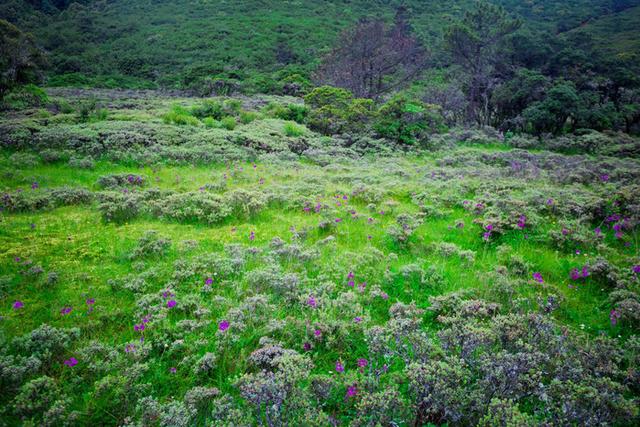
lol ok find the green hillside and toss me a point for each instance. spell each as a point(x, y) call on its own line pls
point(173, 43)
point(615, 34)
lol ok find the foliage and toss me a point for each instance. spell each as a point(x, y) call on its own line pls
point(408, 121)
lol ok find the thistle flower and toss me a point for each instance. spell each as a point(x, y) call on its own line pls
point(317, 333)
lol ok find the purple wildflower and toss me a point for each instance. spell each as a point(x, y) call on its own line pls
point(65, 310)
point(173, 370)
point(138, 328)
point(538, 277)
point(357, 319)
point(306, 346)
point(339, 366)
point(71, 362)
point(614, 315)
point(252, 236)
point(312, 302)
point(223, 325)
point(636, 269)
point(575, 274)
point(171, 303)
point(17, 305)
point(585, 272)
point(208, 281)
point(362, 363)
point(352, 390)
point(317, 333)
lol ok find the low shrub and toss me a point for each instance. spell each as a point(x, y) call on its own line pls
point(293, 130)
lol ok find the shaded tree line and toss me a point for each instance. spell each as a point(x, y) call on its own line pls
point(499, 73)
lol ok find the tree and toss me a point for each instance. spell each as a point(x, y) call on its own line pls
point(21, 60)
point(513, 96)
point(475, 45)
point(371, 60)
point(551, 114)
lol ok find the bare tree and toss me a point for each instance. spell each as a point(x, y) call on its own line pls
point(371, 59)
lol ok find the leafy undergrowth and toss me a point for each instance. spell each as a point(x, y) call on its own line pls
point(179, 276)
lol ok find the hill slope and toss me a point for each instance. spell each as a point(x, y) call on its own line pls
point(169, 43)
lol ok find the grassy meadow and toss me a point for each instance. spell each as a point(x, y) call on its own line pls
point(203, 274)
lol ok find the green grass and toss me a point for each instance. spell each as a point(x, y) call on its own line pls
point(86, 252)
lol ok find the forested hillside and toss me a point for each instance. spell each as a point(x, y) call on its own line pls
point(177, 43)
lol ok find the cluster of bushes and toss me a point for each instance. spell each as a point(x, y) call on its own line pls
point(401, 119)
point(195, 206)
point(210, 113)
point(37, 200)
point(490, 359)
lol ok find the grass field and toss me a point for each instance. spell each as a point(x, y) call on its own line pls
point(303, 252)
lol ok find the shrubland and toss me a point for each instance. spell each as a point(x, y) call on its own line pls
point(399, 272)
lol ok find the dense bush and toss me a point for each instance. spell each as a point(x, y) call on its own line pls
point(408, 121)
point(334, 110)
point(192, 207)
